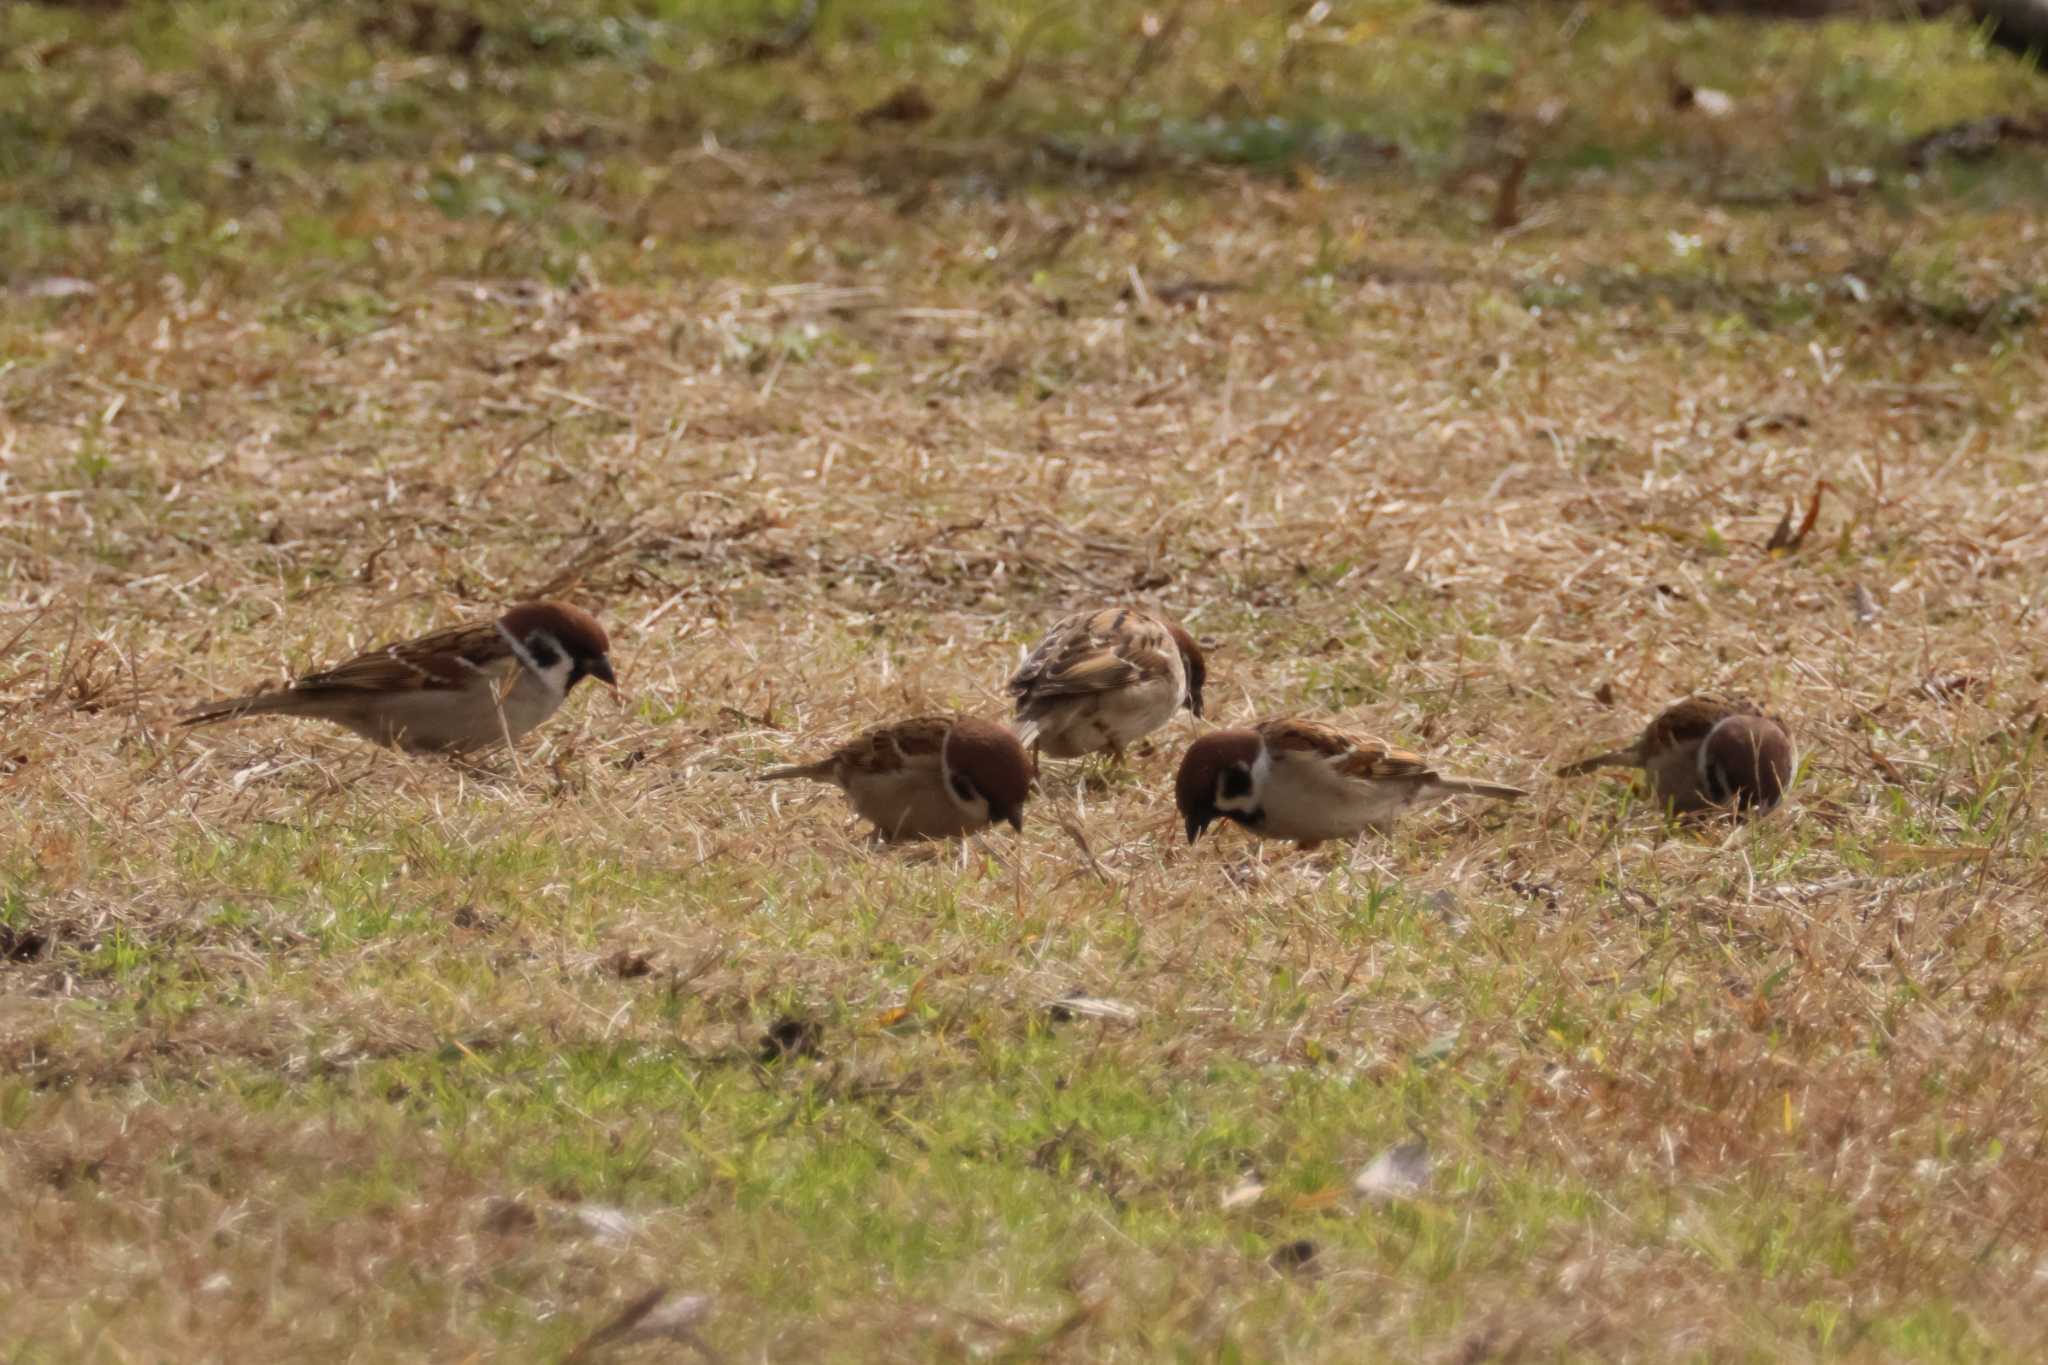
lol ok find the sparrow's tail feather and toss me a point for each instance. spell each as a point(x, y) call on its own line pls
point(1471, 786)
point(1027, 732)
point(234, 708)
point(1615, 758)
point(820, 771)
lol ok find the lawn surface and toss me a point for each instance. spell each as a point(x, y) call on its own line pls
point(1451, 369)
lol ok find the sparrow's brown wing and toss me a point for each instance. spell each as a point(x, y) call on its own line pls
point(1688, 721)
point(891, 748)
point(1373, 761)
point(1684, 722)
point(1358, 757)
point(875, 753)
point(1095, 652)
point(449, 659)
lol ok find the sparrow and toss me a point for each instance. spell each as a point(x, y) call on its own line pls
point(1103, 679)
point(1301, 780)
point(929, 778)
point(1707, 753)
point(455, 691)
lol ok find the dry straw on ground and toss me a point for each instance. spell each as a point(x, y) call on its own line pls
point(290, 1023)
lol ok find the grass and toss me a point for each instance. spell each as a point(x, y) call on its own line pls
point(373, 325)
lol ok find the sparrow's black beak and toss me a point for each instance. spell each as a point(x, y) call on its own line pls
point(600, 668)
point(1196, 824)
point(1015, 815)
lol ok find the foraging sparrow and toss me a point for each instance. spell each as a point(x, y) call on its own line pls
point(1106, 678)
point(1704, 753)
point(1296, 779)
point(929, 778)
point(455, 691)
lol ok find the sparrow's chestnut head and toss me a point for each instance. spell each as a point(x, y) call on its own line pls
point(1746, 762)
point(985, 760)
point(1219, 779)
point(1193, 664)
point(555, 633)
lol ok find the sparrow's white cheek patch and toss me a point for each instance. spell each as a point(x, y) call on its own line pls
point(541, 653)
point(518, 648)
point(543, 656)
point(965, 795)
point(1714, 780)
point(1237, 789)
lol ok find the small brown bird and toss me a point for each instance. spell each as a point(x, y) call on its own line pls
point(928, 778)
point(1300, 780)
point(455, 691)
point(1104, 679)
point(1707, 753)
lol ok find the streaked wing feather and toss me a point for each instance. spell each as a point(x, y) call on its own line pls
point(447, 659)
point(1689, 721)
point(1095, 670)
point(1375, 762)
point(891, 747)
point(1097, 652)
point(1359, 757)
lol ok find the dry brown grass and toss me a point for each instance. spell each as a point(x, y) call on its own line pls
point(288, 1015)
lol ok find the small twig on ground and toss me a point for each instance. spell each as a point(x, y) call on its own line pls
point(1074, 832)
point(505, 462)
point(605, 549)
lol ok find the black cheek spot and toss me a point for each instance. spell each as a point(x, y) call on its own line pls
point(1237, 782)
point(964, 789)
point(543, 652)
